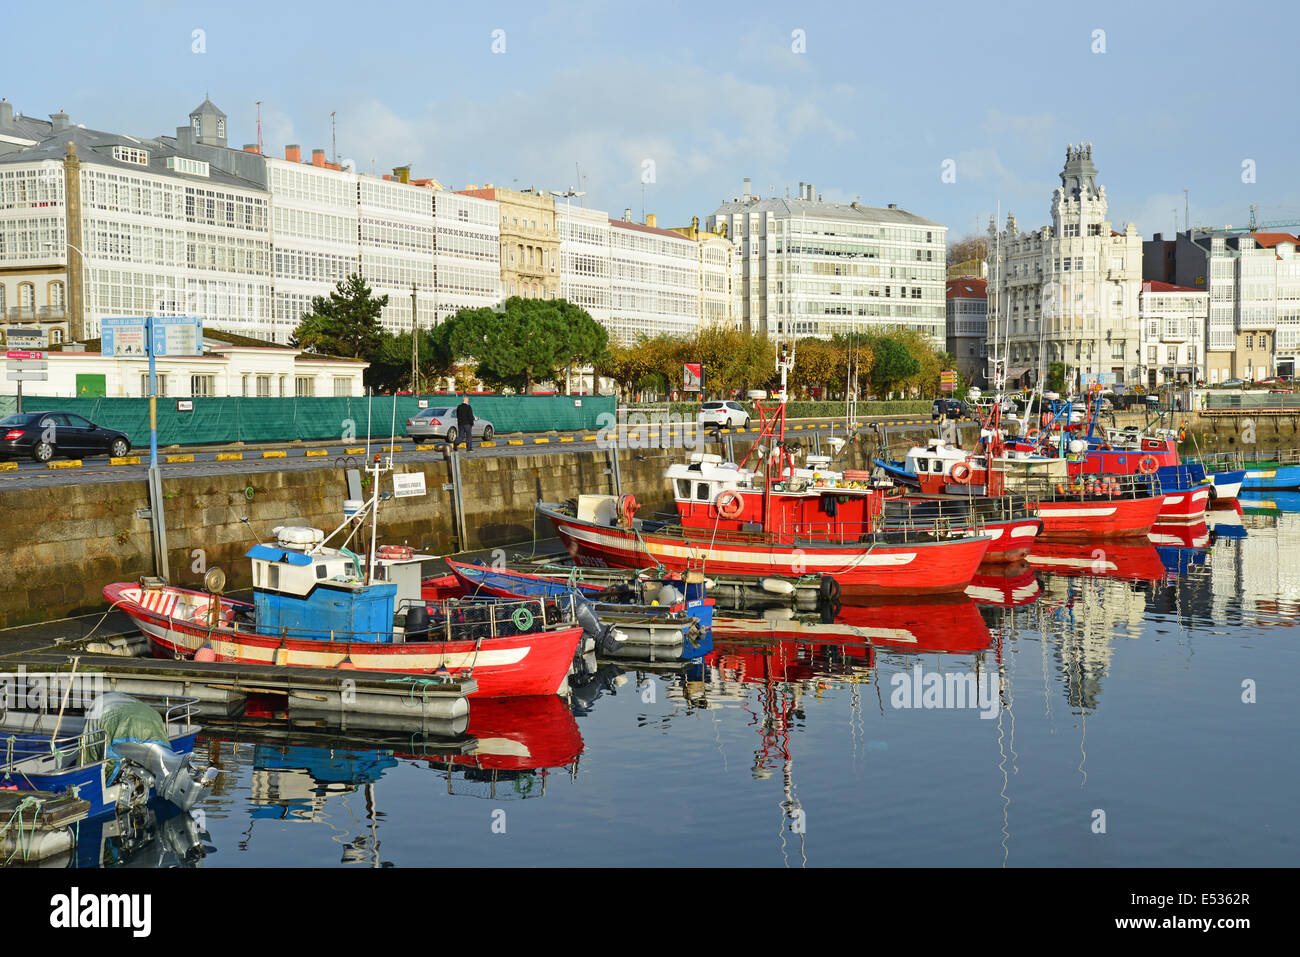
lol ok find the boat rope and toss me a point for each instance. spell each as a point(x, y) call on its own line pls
point(87, 635)
point(423, 683)
point(16, 821)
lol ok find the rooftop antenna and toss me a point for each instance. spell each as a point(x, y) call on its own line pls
point(334, 142)
point(259, 126)
point(1187, 212)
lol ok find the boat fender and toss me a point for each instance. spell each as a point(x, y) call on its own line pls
point(829, 590)
point(669, 595)
point(417, 623)
point(776, 586)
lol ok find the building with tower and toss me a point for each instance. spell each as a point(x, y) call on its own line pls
point(1067, 292)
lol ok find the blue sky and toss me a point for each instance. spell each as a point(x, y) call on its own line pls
point(882, 95)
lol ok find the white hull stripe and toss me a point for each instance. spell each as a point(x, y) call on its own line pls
point(1097, 564)
point(1075, 512)
point(1024, 531)
point(330, 659)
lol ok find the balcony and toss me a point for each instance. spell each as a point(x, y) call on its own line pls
point(20, 313)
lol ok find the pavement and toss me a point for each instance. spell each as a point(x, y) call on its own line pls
point(271, 457)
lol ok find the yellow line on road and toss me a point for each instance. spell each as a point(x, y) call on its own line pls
point(515, 441)
point(487, 445)
point(391, 448)
point(568, 438)
point(355, 450)
point(8, 466)
point(426, 448)
point(124, 460)
point(174, 458)
point(540, 441)
point(275, 454)
point(70, 464)
point(230, 456)
point(590, 438)
point(316, 453)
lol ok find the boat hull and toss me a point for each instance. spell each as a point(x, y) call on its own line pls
point(1185, 505)
point(919, 568)
point(1279, 476)
point(530, 664)
point(1102, 518)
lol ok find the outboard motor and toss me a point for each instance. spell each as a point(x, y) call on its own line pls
point(178, 778)
point(606, 637)
point(417, 623)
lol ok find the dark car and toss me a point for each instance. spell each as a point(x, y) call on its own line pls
point(949, 408)
point(43, 435)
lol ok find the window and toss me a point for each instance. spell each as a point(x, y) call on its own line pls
point(304, 385)
point(263, 386)
point(201, 385)
point(342, 386)
point(702, 491)
point(1173, 354)
point(56, 336)
point(56, 295)
point(144, 384)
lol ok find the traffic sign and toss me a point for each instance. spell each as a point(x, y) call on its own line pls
point(126, 336)
point(26, 355)
point(28, 365)
point(26, 339)
point(13, 376)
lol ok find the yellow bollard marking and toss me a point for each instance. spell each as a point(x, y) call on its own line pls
point(230, 456)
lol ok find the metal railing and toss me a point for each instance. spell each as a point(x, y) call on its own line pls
point(1241, 459)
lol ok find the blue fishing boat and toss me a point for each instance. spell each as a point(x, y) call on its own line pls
point(118, 754)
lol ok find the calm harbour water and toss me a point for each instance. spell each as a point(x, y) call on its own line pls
point(1142, 713)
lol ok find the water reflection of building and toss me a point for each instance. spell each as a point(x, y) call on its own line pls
point(1255, 579)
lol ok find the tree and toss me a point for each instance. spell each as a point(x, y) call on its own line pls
point(969, 247)
point(527, 342)
point(346, 323)
point(1056, 377)
point(891, 365)
point(817, 362)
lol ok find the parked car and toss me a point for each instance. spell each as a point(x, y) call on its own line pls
point(440, 423)
point(43, 435)
point(725, 415)
point(950, 408)
point(1233, 383)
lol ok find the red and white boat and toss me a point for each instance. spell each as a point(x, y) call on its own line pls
point(320, 607)
point(909, 562)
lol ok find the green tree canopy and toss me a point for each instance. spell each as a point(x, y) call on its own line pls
point(346, 323)
point(527, 342)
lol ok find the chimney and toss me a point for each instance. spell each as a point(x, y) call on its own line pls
point(318, 158)
point(6, 115)
point(651, 219)
point(252, 148)
point(402, 174)
point(293, 153)
point(473, 186)
point(60, 121)
point(749, 189)
point(627, 215)
point(893, 206)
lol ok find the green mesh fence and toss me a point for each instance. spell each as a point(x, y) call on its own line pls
point(238, 419)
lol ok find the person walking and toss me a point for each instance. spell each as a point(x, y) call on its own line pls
point(464, 425)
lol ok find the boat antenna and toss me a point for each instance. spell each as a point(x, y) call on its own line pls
point(370, 397)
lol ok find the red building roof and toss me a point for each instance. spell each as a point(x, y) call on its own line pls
point(1268, 240)
point(1152, 285)
point(968, 288)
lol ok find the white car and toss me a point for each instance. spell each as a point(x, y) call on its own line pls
point(724, 415)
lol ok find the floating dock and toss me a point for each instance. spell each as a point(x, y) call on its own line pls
point(37, 825)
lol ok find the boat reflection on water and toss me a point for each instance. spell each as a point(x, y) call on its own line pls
point(1004, 586)
point(1182, 547)
point(507, 751)
point(158, 834)
point(1135, 560)
point(1270, 503)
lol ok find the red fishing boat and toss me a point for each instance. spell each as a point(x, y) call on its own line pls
point(1005, 585)
point(320, 607)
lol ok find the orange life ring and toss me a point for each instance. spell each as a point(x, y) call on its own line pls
point(1032, 435)
point(729, 504)
point(401, 553)
point(1148, 464)
point(960, 473)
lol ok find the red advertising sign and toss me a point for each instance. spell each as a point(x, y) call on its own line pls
point(25, 355)
point(692, 376)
